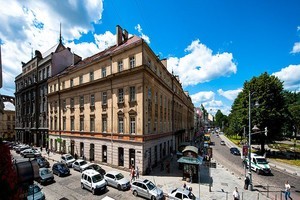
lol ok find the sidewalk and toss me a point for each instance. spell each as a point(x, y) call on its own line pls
point(273, 163)
point(223, 181)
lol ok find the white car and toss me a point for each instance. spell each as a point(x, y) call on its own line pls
point(30, 153)
point(116, 179)
point(93, 181)
point(180, 193)
point(68, 159)
point(80, 165)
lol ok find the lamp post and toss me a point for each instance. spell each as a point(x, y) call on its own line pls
point(249, 143)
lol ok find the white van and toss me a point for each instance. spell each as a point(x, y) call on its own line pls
point(259, 164)
point(93, 181)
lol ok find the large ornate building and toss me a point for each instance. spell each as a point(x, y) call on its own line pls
point(120, 106)
point(31, 92)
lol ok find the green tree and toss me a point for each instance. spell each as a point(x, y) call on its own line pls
point(267, 91)
point(221, 120)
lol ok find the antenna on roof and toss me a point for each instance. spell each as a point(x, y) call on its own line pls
point(60, 41)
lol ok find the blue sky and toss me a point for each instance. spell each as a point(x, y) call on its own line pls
point(214, 46)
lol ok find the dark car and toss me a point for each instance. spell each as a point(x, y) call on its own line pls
point(42, 162)
point(60, 169)
point(235, 151)
point(96, 167)
point(46, 176)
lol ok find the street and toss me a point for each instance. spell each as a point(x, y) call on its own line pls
point(275, 181)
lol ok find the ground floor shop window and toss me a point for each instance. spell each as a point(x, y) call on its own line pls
point(121, 156)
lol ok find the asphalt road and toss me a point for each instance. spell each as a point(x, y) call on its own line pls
point(69, 188)
point(275, 182)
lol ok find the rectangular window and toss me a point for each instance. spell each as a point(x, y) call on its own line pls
point(72, 103)
point(121, 96)
point(72, 123)
point(132, 125)
point(92, 123)
point(132, 62)
point(64, 105)
point(64, 123)
point(71, 82)
point(120, 66)
point(120, 125)
point(48, 71)
point(91, 76)
point(132, 93)
point(81, 123)
point(51, 123)
point(80, 79)
point(81, 101)
point(104, 98)
point(55, 123)
point(104, 124)
point(63, 85)
point(103, 71)
point(92, 100)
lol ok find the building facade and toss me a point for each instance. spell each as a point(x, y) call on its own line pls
point(31, 93)
point(7, 125)
point(120, 106)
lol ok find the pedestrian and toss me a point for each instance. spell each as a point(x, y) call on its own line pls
point(48, 152)
point(41, 148)
point(184, 186)
point(247, 182)
point(132, 173)
point(137, 173)
point(235, 194)
point(287, 191)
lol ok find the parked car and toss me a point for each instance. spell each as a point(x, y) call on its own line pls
point(21, 148)
point(30, 153)
point(42, 162)
point(180, 193)
point(96, 167)
point(68, 159)
point(46, 175)
point(60, 169)
point(35, 192)
point(93, 181)
point(146, 189)
point(235, 151)
point(116, 179)
point(80, 165)
point(222, 142)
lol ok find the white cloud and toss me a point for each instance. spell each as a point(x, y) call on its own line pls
point(9, 106)
point(202, 97)
point(142, 35)
point(27, 26)
point(290, 76)
point(296, 48)
point(229, 94)
point(201, 65)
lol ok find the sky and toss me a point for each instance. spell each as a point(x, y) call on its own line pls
point(213, 45)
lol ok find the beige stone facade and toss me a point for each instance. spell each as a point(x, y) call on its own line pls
point(120, 106)
point(7, 125)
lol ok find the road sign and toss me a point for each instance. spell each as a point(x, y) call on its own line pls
point(245, 150)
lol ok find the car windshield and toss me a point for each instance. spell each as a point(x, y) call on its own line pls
point(119, 176)
point(261, 161)
point(150, 185)
point(69, 157)
point(61, 166)
point(34, 189)
point(97, 178)
point(82, 162)
point(45, 171)
point(96, 167)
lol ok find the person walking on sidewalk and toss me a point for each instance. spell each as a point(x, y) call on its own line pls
point(288, 191)
point(236, 194)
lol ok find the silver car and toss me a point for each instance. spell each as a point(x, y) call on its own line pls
point(146, 189)
point(116, 179)
point(80, 165)
point(180, 193)
point(68, 159)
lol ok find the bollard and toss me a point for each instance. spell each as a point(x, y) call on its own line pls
point(257, 196)
point(267, 190)
point(226, 195)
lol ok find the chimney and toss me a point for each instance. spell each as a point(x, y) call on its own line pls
point(119, 35)
point(125, 35)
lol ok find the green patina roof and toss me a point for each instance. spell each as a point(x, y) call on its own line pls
point(190, 160)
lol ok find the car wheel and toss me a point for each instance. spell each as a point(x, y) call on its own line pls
point(135, 193)
point(153, 198)
point(82, 186)
point(257, 171)
point(119, 187)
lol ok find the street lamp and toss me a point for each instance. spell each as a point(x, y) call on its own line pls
point(249, 142)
